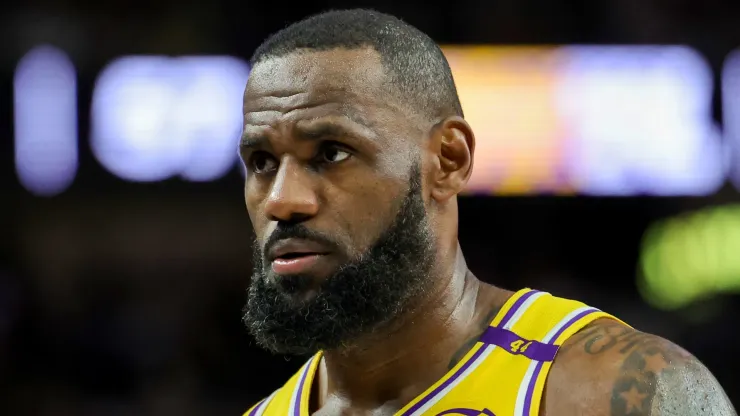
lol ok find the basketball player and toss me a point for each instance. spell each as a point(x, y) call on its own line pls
point(356, 148)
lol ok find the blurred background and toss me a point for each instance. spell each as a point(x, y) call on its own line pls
point(607, 169)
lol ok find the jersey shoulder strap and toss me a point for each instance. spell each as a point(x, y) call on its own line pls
point(552, 320)
point(540, 331)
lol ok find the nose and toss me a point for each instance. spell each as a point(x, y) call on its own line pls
point(292, 196)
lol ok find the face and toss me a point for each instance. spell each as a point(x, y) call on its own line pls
point(335, 193)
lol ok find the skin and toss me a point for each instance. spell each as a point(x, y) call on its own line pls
point(298, 106)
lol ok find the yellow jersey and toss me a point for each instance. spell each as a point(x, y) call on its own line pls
point(502, 375)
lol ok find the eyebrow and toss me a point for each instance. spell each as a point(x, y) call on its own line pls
point(316, 129)
point(322, 130)
point(248, 141)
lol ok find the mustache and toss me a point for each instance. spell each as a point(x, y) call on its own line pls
point(298, 231)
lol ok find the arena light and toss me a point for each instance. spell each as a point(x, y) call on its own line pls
point(731, 112)
point(507, 97)
point(590, 119)
point(45, 116)
point(691, 257)
point(157, 117)
point(639, 120)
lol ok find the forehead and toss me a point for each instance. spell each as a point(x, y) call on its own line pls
point(309, 78)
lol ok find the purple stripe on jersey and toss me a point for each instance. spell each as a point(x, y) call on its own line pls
point(530, 389)
point(257, 408)
point(467, 412)
point(516, 307)
point(301, 385)
point(536, 374)
point(517, 345)
point(447, 382)
point(570, 323)
point(472, 359)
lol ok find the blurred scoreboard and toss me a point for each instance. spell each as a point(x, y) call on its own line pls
point(590, 120)
point(731, 110)
point(157, 117)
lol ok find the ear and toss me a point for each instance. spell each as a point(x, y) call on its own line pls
point(453, 146)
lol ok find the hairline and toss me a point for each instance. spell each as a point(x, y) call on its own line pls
point(389, 84)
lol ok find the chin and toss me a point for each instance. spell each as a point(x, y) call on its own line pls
point(299, 287)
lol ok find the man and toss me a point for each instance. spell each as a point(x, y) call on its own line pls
point(356, 148)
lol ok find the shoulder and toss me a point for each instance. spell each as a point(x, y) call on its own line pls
point(608, 368)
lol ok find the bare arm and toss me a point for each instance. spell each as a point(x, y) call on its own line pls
point(638, 374)
point(660, 378)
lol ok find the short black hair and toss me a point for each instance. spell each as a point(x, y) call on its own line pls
point(418, 70)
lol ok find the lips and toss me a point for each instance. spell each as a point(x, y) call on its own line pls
point(293, 248)
point(295, 256)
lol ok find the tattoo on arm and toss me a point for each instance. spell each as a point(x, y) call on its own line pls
point(656, 377)
point(635, 389)
point(607, 337)
point(470, 343)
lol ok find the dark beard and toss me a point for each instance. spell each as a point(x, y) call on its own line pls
point(362, 297)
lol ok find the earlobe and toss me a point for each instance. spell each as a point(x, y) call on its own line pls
point(455, 146)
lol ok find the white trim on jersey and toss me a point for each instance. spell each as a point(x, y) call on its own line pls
point(488, 350)
point(519, 409)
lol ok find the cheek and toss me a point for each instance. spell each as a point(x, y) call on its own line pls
point(253, 203)
point(366, 213)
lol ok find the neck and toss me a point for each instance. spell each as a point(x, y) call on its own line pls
point(393, 367)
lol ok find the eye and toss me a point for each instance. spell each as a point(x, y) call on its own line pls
point(262, 162)
point(333, 154)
